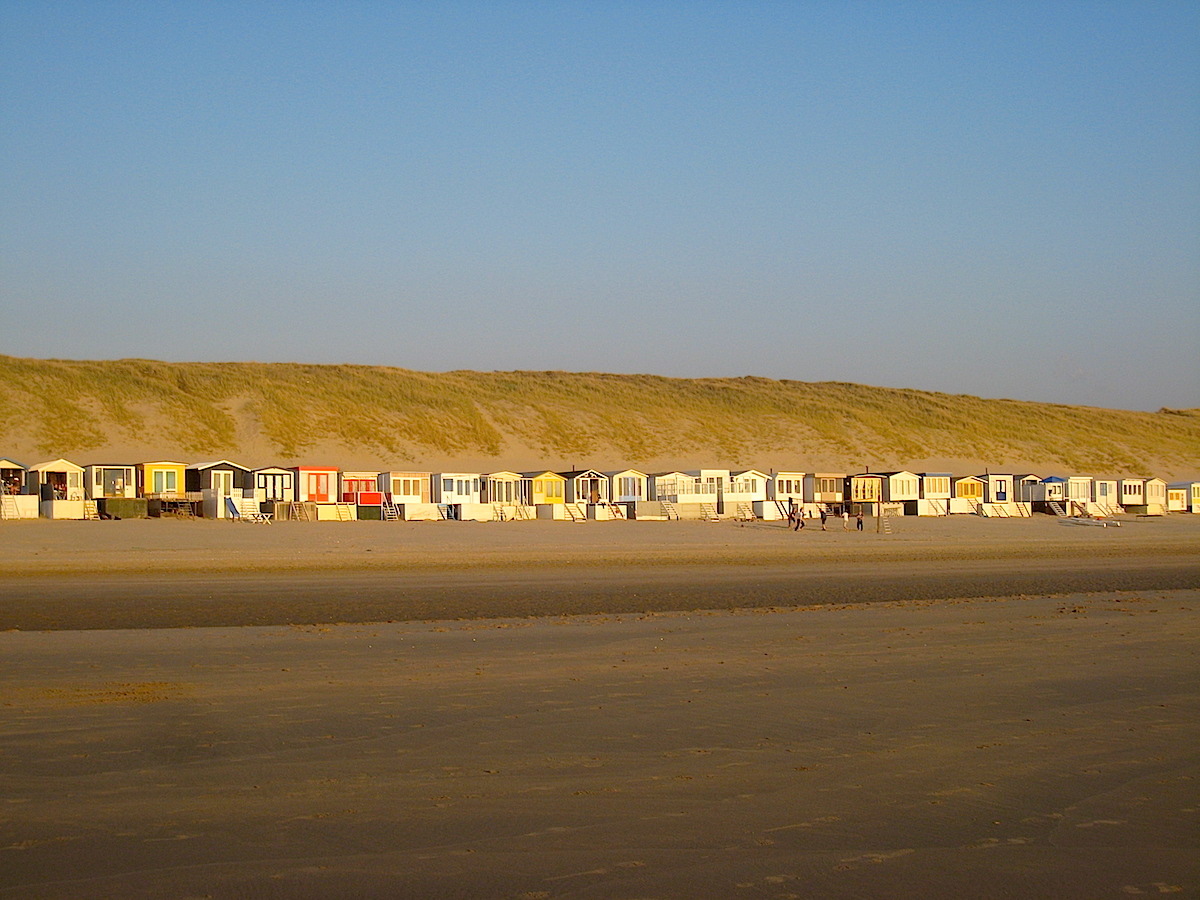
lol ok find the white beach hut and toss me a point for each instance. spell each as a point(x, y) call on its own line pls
point(110, 481)
point(628, 486)
point(508, 494)
point(1132, 494)
point(1156, 497)
point(15, 501)
point(901, 488)
point(1105, 497)
point(58, 485)
point(457, 494)
point(746, 493)
point(274, 485)
point(935, 495)
point(999, 497)
point(683, 495)
point(1078, 495)
point(410, 494)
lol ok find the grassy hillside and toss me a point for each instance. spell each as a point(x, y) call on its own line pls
point(281, 413)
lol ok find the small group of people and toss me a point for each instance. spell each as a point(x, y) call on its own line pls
point(796, 518)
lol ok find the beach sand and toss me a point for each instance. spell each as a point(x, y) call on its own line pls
point(836, 730)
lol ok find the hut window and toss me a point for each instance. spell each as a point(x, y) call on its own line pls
point(165, 481)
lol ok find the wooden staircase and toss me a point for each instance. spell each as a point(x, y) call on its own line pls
point(708, 512)
point(444, 512)
point(613, 510)
point(576, 512)
point(745, 511)
point(298, 512)
point(669, 509)
point(8, 507)
point(344, 512)
point(390, 512)
point(1056, 508)
point(89, 510)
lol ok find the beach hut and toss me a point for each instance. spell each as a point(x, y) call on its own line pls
point(274, 485)
point(317, 484)
point(1156, 497)
point(1078, 495)
point(457, 495)
point(1191, 494)
point(1105, 497)
point(901, 491)
point(999, 496)
point(508, 495)
point(318, 495)
point(161, 484)
point(410, 494)
point(967, 495)
point(1045, 495)
point(935, 492)
point(1177, 498)
point(1022, 490)
point(58, 485)
point(113, 488)
point(585, 486)
point(547, 491)
point(785, 492)
point(12, 477)
point(631, 489)
point(712, 481)
point(628, 486)
point(684, 495)
point(109, 481)
point(864, 492)
point(1132, 494)
point(746, 493)
point(15, 501)
point(217, 482)
point(824, 490)
point(161, 479)
point(360, 491)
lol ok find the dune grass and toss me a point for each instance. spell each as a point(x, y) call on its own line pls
point(63, 407)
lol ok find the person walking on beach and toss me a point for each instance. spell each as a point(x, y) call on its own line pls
point(858, 519)
point(796, 515)
point(824, 516)
point(845, 519)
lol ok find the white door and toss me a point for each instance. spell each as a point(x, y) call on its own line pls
point(222, 487)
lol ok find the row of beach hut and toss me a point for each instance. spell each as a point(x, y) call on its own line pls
point(60, 489)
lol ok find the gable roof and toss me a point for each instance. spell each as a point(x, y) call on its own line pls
point(219, 462)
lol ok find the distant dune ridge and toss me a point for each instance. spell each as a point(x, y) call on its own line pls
point(380, 418)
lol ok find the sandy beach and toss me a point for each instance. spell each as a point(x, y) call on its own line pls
point(169, 573)
point(541, 710)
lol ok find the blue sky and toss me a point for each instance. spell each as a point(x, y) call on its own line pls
point(995, 199)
